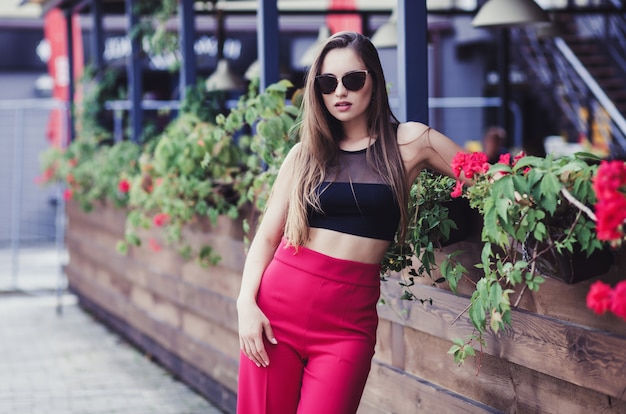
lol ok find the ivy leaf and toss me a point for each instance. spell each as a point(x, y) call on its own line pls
point(550, 187)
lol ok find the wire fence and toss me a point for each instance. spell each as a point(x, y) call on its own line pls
point(32, 217)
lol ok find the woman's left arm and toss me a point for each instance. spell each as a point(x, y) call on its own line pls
point(424, 147)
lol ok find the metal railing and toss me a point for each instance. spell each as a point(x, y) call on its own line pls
point(582, 102)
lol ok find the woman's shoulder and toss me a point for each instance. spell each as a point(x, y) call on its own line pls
point(409, 132)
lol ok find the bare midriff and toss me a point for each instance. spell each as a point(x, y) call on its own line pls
point(346, 246)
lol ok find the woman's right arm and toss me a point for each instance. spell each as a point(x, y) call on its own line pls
point(253, 324)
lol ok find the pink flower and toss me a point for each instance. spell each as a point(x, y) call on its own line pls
point(599, 297)
point(161, 219)
point(618, 303)
point(505, 159)
point(123, 186)
point(67, 194)
point(458, 190)
point(154, 245)
point(201, 143)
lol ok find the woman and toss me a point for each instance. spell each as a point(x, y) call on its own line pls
point(307, 305)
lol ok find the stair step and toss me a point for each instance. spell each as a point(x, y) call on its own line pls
point(602, 71)
point(593, 60)
point(617, 95)
point(585, 48)
point(611, 83)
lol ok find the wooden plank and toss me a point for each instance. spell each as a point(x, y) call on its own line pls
point(392, 391)
point(106, 218)
point(97, 272)
point(218, 279)
point(119, 269)
point(383, 349)
point(225, 340)
point(216, 364)
point(231, 251)
point(555, 298)
point(82, 231)
point(500, 384)
point(398, 348)
point(583, 356)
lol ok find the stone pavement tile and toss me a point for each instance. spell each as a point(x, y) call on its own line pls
point(69, 363)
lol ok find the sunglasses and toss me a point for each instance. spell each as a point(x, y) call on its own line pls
point(352, 81)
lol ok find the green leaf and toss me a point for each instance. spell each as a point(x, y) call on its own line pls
point(550, 188)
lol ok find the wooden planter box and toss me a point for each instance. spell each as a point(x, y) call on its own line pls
point(558, 358)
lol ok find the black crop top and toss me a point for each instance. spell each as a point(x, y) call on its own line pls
point(356, 200)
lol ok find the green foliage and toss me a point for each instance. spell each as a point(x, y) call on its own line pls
point(262, 125)
point(429, 226)
point(208, 168)
point(172, 183)
point(152, 29)
point(526, 213)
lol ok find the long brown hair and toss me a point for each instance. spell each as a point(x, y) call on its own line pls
point(319, 134)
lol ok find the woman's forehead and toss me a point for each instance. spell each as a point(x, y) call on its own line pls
point(341, 60)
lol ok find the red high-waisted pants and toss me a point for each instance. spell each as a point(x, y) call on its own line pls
point(323, 314)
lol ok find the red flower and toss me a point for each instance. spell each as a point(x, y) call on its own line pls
point(49, 173)
point(518, 157)
point(154, 245)
point(471, 164)
point(618, 303)
point(67, 194)
point(458, 190)
point(505, 159)
point(123, 186)
point(70, 178)
point(610, 215)
point(610, 177)
point(599, 297)
point(73, 162)
point(457, 163)
point(161, 219)
point(608, 185)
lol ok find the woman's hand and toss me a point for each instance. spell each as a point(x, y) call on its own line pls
point(253, 324)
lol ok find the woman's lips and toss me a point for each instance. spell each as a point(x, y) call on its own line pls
point(343, 106)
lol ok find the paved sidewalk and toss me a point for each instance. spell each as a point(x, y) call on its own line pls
point(68, 363)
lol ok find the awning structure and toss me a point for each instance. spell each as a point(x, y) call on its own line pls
point(411, 23)
point(15, 9)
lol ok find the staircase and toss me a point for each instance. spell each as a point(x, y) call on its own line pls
point(598, 42)
point(579, 75)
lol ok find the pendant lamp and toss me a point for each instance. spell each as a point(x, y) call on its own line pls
point(309, 56)
point(253, 71)
point(387, 34)
point(223, 79)
point(506, 13)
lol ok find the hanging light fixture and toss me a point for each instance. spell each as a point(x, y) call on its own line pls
point(253, 71)
point(309, 56)
point(506, 13)
point(387, 34)
point(222, 79)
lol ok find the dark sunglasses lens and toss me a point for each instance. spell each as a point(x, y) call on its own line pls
point(354, 81)
point(326, 83)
